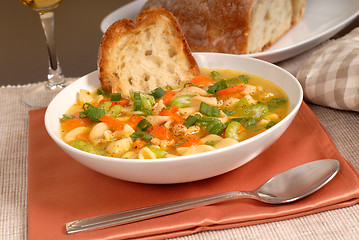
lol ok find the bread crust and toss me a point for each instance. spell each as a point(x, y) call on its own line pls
point(217, 25)
point(123, 32)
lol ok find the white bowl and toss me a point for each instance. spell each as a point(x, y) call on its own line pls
point(185, 168)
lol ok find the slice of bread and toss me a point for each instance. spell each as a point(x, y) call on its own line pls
point(142, 55)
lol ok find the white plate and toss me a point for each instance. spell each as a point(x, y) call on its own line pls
point(322, 20)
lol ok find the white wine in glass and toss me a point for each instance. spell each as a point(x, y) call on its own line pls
point(41, 94)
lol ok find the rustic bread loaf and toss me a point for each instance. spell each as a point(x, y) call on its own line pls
point(145, 54)
point(233, 26)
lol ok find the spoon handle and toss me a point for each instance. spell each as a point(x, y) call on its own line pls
point(140, 214)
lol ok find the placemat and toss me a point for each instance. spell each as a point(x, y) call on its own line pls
point(61, 190)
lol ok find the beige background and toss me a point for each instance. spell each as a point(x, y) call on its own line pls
point(23, 54)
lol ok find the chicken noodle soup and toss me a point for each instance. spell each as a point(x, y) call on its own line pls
point(214, 110)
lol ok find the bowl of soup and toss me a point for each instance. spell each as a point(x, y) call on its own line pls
point(210, 125)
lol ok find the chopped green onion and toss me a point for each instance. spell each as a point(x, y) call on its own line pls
point(179, 143)
point(100, 92)
point(168, 87)
point(142, 100)
point(66, 116)
point(189, 83)
point(157, 92)
point(190, 121)
point(182, 101)
point(146, 112)
point(233, 81)
point(143, 125)
point(139, 135)
point(214, 74)
point(116, 96)
point(270, 124)
point(205, 109)
point(249, 123)
point(204, 121)
point(274, 102)
point(215, 126)
point(215, 111)
point(228, 112)
point(236, 119)
point(137, 103)
point(244, 78)
point(220, 85)
point(93, 113)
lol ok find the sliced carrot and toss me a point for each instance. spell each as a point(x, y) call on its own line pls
point(139, 143)
point(241, 128)
point(115, 123)
point(168, 97)
point(83, 137)
point(160, 132)
point(191, 141)
point(104, 100)
point(202, 80)
point(134, 120)
point(234, 89)
point(69, 124)
point(173, 113)
point(123, 102)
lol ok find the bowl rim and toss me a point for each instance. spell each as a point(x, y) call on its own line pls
point(202, 155)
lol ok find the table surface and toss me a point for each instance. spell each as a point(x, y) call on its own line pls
point(24, 60)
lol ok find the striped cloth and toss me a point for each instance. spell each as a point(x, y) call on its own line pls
point(330, 77)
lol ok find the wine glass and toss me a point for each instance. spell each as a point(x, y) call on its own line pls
point(41, 94)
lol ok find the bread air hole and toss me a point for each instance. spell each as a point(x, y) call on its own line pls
point(157, 60)
point(267, 16)
point(172, 52)
point(130, 80)
point(148, 53)
point(146, 77)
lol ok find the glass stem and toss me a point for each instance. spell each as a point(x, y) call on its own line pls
point(55, 76)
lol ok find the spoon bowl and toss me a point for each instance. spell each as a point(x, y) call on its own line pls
point(285, 187)
point(298, 182)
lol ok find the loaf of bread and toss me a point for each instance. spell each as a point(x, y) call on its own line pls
point(233, 26)
point(145, 54)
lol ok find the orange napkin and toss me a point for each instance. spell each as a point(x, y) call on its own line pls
point(62, 190)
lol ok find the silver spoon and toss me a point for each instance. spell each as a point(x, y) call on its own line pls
point(285, 187)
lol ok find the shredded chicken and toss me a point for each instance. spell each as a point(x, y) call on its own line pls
point(181, 130)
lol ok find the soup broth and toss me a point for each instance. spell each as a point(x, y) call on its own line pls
point(217, 109)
